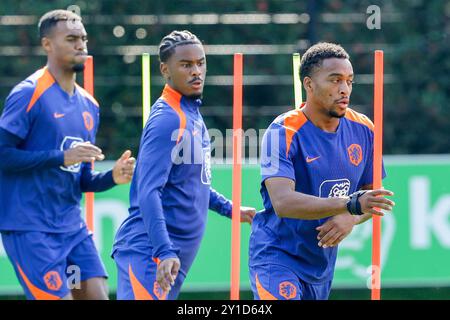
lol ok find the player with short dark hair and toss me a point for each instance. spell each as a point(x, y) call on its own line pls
point(50, 19)
point(314, 56)
point(171, 190)
point(47, 144)
point(314, 163)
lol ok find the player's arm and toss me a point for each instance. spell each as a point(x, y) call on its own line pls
point(219, 204)
point(334, 230)
point(155, 164)
point(223, 206)
point(17, 160)
point(289, 203)
point(158, 145)
point(94, 181)
point(366, 216)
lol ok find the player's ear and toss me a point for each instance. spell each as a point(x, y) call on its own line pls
point(307, 83)
point(164, 68)
point(45, 42)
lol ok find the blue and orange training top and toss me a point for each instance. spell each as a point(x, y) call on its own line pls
point(170, 192)
point(45, 118)
point(321, 164)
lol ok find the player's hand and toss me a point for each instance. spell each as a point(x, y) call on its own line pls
point(247, 214)
point(376, 199)
point(82, 152)
point(335, 229)
point(167, 272)
point(124, 168)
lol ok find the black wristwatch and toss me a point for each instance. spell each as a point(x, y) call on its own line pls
point(353, 205)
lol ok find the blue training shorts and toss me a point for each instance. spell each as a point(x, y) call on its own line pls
point(136, 278)
point(276, 282)
point(49, 265)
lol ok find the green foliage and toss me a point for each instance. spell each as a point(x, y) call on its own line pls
point(416, 45)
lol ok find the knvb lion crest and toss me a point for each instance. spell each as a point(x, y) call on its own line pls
point(88, 121)
point(287, 290)
point(53, 280)
point(355, 154)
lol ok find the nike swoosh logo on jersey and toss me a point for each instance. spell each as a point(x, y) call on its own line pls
point(308, 159)
point(57, 115)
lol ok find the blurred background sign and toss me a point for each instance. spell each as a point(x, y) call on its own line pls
point(415, 237)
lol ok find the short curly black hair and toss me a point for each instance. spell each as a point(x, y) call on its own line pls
point(174, 39)
point(314, 56)
point(49, 20)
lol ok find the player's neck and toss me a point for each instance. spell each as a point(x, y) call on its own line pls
point(64, 78)
point(320, 119)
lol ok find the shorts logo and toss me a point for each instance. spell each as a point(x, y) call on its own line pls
point(88, 121)
point(355, 154)
point(53, 280)
point(287, 290)
point(158, 292)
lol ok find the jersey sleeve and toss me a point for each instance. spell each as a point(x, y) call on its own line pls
point(15, 117)
point(275, 157)
point(153, 169)
point(367, 176)
point(93, 181)
point(96, 113)
point(18, 160)
point(219, 203)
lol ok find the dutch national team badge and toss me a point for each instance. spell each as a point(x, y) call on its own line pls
point(53, 280)
point(355, 154)
point(88, 121)
point(287, 290)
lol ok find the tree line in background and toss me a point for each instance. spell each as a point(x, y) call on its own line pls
point(413, 34)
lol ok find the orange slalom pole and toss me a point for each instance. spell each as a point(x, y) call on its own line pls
point(89, 87)
point(377, 167)
point(237, 177)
